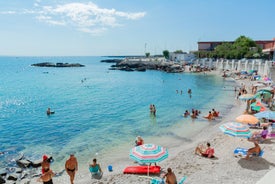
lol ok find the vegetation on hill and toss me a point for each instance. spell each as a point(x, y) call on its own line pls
point(242, 47)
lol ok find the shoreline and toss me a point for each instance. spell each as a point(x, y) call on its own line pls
point(184, 162)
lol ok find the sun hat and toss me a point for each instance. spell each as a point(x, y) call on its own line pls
point(45, 157)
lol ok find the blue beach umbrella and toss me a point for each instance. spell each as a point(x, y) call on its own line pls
point(247, 96)
point(236, 129)
point(265, 114)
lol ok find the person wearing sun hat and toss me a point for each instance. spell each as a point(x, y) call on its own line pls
point(45, 164)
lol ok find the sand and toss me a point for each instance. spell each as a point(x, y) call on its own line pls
point(224, 169)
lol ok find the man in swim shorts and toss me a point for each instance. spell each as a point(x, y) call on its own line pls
point(71, 166)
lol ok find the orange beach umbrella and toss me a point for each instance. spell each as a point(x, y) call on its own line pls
point(247, 119)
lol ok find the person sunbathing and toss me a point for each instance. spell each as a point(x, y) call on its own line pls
point(255, 150)
point(208, 152)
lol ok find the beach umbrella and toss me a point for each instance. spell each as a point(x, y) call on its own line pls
point(236, 129)
point(257, 106)
point(247, 97)
point(247, 119)
point(265, 114)
point(266, 90)
point(148, 153)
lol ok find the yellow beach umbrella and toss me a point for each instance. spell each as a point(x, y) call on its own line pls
point(247, 119)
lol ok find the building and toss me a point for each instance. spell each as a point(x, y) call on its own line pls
point(178, 57)
point(267, 46)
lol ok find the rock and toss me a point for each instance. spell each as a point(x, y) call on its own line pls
point(18, 170)
point(48, 64)
point(25, 181)
point(3, 172)
point(12, 177)
point(111, 60)
point(23, 163)
point(2, 180)
point(36, 163)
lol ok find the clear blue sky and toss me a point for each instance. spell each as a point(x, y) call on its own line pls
point(127, 27)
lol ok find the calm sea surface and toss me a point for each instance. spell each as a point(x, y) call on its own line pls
point(96, 108)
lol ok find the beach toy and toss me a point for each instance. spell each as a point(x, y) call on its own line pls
point(110, 168)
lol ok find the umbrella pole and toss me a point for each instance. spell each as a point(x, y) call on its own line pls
point(148, 170)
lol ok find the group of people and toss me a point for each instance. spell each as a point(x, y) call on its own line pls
point(194, 113)
point(71, 167)
point(212, 114)
point(208, 151)
point(153, 109)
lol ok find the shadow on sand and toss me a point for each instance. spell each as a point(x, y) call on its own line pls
point(255, 163)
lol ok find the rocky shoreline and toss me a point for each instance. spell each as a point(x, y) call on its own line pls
point(24, 170)
point(142, 65)
point(48, 64)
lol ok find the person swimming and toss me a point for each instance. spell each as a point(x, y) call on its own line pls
point(49, 112)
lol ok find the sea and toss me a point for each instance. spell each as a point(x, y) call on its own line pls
point(98, 111)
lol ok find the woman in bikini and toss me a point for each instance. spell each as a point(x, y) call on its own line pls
point(71, 166)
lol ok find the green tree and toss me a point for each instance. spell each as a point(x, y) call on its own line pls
point(147, 54)
point(178, 52)
point(166, 54)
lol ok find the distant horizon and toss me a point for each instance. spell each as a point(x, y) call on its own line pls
point(101, 27)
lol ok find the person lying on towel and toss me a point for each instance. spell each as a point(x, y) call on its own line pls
point(208, 152)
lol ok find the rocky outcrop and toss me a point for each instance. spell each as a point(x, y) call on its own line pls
point(143, 65)
point(48, 64)
point(23, 172)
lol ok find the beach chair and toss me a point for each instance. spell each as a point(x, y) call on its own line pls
point(182, 180)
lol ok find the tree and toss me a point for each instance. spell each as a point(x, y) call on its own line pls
point(166, 54)
point(147, 54)
point(242, 47)
point(179, 52)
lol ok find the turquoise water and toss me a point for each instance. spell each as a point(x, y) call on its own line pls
point(96, 108)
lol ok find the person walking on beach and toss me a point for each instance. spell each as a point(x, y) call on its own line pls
point(71, 166)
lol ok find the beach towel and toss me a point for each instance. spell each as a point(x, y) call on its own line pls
point(243, 151)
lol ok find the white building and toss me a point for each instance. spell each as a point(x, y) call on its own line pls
point(179, 57)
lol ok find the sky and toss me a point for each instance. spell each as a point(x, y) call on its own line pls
point(127, 27)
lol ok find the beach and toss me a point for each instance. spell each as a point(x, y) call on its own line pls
point(225, 168)
point(99, 112)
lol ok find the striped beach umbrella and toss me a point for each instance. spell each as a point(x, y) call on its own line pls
point(148, 153)
point(236, 129)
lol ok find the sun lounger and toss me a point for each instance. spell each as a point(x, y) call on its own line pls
point(142, 169)
point(242, 152)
